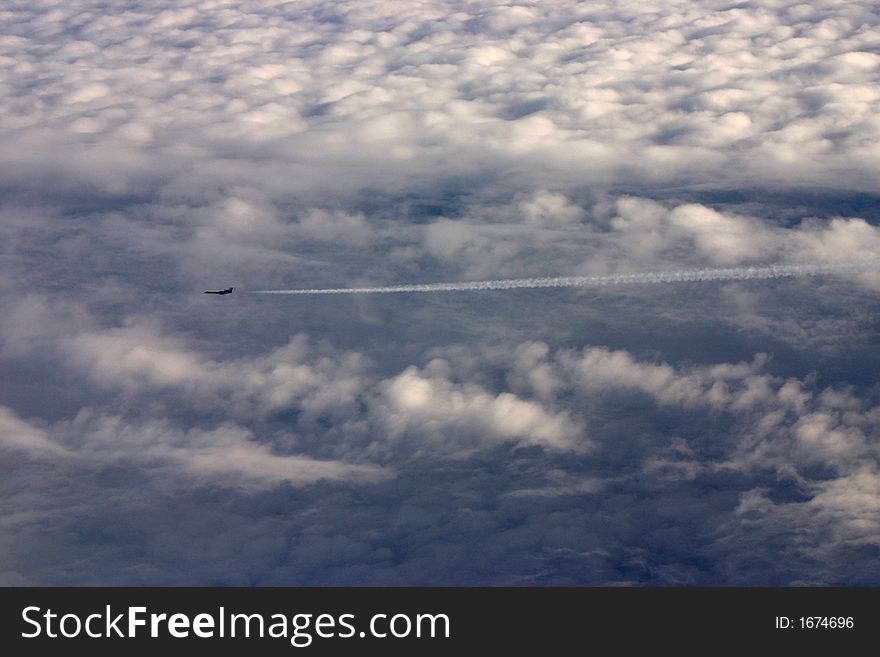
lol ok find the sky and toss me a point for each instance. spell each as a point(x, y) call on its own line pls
point(682, 433)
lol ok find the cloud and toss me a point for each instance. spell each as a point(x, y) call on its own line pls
point(715, 433)
point(227, 455)
point(441, 411)
point(132, 355)
point(649, 229)
point(19, 435)
point(598, 370)
point(546, 208)
point(339, 227)
point(727, 98)
point(138, 359)
point(723, 239)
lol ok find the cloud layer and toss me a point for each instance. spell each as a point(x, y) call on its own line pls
point(676, 92)
point(725, 433)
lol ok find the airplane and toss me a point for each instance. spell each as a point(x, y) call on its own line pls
point(226, 291)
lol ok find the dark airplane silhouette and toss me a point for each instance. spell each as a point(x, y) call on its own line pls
point(226, 291)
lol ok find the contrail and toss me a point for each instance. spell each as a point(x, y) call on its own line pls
point(677, 276)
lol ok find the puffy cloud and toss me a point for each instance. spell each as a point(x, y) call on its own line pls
point(555, 399)
point(723, 239)
point(840, 513)
point(437, 409)
point(133, 355)
point(738, 93)
point(596, 371)
point(649, 229)
point(850, 505)
point(481, 249)
point(549, 208)
point(139, 358)
point(578, 436)
point(779, 424)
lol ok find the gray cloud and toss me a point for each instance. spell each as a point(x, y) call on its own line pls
point(714, 433)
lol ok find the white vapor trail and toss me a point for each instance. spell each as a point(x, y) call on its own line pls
point(678, 276)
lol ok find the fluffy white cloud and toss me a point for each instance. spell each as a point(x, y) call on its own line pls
point(550, 234)
point(648, 230)
point(842, 511)
point(598, 369)
point(139, 358)
point(150, 151)
point(595, 371)
point(248, 134)
point(597, 92)
point(782, 421)
point(434, 408)
point(134, 356)
point(546, 208)
point(480, 249)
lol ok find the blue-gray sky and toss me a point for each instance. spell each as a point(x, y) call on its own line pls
point(711, 433)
